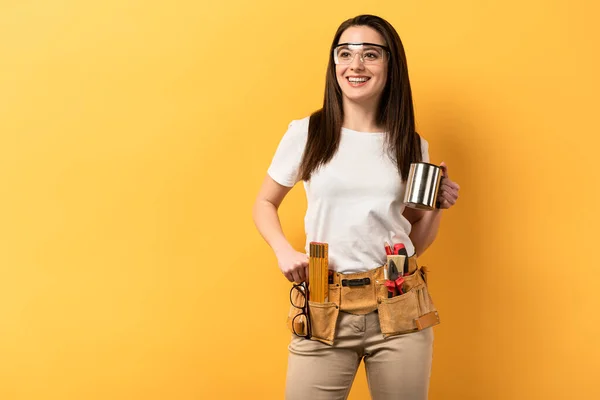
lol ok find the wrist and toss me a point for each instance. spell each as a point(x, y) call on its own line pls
point(281, 248)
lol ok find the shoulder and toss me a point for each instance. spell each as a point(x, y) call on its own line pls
point(424, 149)
point(424, 142)
point(297, 131)
point(300, 126)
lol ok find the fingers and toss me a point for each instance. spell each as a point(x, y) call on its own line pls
point(299, 271)
point(449, 189)
point(289, 276)
point(448, 192)
point(448, 199)
point(301, 274)
point(446, 182)
point(296, 276)
point(303, 269)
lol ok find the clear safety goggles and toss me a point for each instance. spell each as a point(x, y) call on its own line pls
point(369, 53)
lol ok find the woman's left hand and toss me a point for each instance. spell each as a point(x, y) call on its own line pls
point(448, 191)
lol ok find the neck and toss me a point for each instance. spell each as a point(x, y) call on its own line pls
point(362, 116)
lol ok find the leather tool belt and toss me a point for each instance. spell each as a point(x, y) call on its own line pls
point(365, 292)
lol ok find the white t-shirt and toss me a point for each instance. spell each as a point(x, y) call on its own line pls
point(354, 201)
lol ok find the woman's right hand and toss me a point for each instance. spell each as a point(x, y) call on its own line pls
point(293, 265)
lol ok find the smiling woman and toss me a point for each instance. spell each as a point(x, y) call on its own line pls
point(353, 156)
point(354, 72)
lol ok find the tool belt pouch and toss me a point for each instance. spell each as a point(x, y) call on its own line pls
point(322, 317)
point(408, 312)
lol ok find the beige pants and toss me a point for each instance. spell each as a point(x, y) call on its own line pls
point(397, 368)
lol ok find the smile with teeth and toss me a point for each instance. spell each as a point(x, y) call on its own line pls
point(357, 81)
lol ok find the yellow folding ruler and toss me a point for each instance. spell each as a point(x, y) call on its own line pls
point(318, 272)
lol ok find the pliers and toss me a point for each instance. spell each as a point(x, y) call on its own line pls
point(395, 280)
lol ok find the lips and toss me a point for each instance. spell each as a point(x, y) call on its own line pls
point(356, 81)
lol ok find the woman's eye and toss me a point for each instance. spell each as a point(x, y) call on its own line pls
point(344, 54)
point(372, 56)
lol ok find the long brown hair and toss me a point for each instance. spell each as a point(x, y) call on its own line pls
point(395, 111)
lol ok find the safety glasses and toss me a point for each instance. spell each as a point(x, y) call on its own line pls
point(369, 53)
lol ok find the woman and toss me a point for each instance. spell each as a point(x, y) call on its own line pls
point(353, 156)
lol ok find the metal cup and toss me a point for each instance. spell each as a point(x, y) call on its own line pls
point(422, 186)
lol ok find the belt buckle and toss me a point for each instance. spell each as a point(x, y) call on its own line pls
point(356, 282)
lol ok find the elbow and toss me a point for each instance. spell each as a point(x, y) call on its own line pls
point(422, 244)
point(259, 208)
point(256, 211)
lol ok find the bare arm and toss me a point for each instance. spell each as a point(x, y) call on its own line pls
point(425, 224)
point(292, 263)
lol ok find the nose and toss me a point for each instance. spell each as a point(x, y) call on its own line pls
point(357, 62)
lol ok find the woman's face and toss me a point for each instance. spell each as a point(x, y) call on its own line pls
point(361, 80)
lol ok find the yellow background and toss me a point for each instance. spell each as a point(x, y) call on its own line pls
point(133, 139)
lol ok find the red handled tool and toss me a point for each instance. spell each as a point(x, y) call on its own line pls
point(388, 249)
point(394, 281)
point(398, 248)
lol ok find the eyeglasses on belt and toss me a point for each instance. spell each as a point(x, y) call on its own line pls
point(299, 299)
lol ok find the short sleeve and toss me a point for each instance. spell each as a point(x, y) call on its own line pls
point(285, 166)
point(424, 150)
